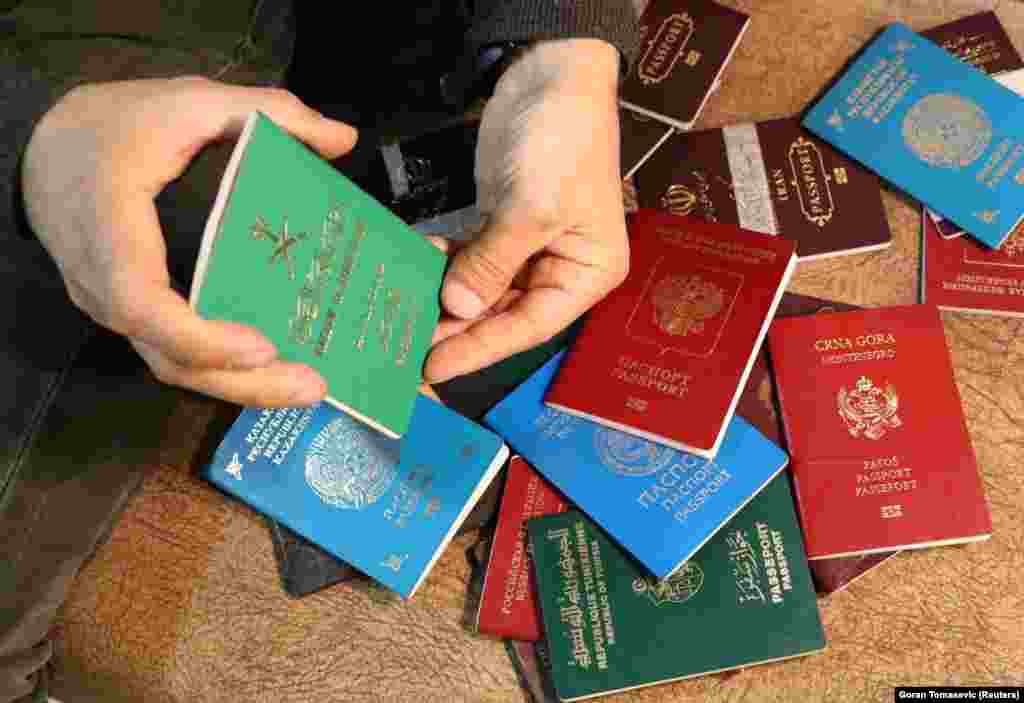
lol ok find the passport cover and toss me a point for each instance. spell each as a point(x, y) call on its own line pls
point(759, 406)
point(1014, 80)
point(533, 665)
point(508, 605)
point(684, 47)
point(333, 278)
point(677, 338)
point(746, 598)
point(880, 451)
point(303, 567)
point(960, 275)
point(979, 40)
point(935, 127)
point(772, 177)
point(639, 137)
point(660, 504)
point(387, 507)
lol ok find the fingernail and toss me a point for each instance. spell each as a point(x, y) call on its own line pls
point(461, 301)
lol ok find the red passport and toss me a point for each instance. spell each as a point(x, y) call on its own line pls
point(880, 453)
point(961, 275)
point(508, 603)
point(665, 355)
point(759, 407)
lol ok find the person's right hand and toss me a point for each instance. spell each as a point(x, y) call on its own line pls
point(91, 171)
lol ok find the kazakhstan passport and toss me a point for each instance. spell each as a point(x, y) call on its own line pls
point(938, 128)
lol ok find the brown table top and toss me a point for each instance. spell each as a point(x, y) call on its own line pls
point(184, 603)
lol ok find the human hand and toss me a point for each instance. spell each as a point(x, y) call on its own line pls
point(92, 169)
point(547, 170)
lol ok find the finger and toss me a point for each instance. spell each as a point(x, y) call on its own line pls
point(330, 138)
point(277, 385)
point(141, 304)
point(483, 269)
point(450, 326)
point(533, 319)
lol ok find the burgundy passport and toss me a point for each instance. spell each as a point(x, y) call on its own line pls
point(508, 603)
point(665, 355)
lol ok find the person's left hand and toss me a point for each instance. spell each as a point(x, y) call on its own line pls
point(548, 183)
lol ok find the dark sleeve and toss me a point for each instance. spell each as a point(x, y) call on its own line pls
point(615, 21)
point(24, 97)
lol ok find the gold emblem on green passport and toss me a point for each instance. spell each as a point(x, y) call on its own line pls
point(867, 410)
point(947, 131)
point(683, 303)
point(678, 588)
point(282, 242)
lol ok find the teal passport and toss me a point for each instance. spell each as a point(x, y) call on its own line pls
point(936, 127)
point(387, 507)
point(746, 598)
point(327, 273)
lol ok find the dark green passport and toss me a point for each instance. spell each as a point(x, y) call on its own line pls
point(746, 598)
point(332, 277)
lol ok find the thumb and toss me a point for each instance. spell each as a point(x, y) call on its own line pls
point(482, 270)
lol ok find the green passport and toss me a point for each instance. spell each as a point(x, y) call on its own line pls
point(746, 598)
point(331, 276)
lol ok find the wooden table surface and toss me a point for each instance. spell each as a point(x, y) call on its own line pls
point(183, 603)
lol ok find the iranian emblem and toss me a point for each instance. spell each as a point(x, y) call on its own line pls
point(683, 303)
point(868, 410)
point(947, 131)
point(628, 455)
point(282, 242)
point(347, 468)
point(678, 200)
point(394, 562)
point(234, 467)
point(678, 588)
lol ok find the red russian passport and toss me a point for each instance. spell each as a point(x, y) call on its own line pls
point(508, 603)
point(880, 453)
point(665, 355)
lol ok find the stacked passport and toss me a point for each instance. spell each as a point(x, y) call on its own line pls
point(703, 452)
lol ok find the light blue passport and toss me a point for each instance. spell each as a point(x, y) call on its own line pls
point(937, 128)
point(659, 503)
point(387, 507)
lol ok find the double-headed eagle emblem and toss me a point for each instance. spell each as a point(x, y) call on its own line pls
point(683, 303)
point(867, 410)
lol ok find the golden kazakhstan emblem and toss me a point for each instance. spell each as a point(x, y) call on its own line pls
point(680, 587)
point(867, 410)
point(348, 467)
point(947, 131)
point(683, 303)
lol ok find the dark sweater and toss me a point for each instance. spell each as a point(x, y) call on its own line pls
point(26, 94)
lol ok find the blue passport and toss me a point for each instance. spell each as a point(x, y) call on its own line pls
point(936, 127)
point(386, 506)
point(659, 503)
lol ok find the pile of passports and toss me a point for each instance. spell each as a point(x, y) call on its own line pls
point(691, 456)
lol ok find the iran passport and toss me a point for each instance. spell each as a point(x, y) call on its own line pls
point(879, 447)
point(665, 355)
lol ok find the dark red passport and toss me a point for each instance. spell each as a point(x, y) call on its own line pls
point(773, 177)
point(759, 406)
point(508, 603)
point(665, 355)
point(685, 46)
point(880, 453)
point(979, 40)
